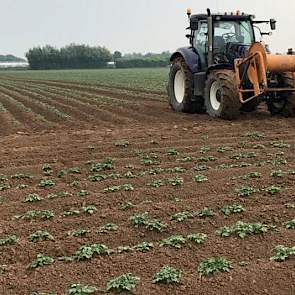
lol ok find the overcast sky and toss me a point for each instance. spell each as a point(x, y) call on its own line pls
point(125, 25)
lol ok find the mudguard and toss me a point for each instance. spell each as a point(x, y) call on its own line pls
point(190, 56)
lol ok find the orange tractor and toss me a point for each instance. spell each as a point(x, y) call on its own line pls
point(225, 70)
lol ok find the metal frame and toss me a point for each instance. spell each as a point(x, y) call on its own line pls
point(258, 77)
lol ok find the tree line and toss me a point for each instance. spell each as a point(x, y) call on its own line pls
point(76, 56)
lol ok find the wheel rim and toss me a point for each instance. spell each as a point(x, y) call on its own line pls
point(215, 96)
point(179, 87)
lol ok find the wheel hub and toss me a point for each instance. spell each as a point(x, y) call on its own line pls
point(179, 86)
point(215, 95)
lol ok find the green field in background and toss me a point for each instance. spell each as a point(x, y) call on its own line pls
point(154, 79)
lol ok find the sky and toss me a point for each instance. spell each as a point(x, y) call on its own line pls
point(125, 25)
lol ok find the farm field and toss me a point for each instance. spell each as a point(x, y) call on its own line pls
point(99, 181)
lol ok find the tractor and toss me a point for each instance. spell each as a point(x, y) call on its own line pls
point(225, 71)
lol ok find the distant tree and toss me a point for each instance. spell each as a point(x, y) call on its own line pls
point(117, 55)
point(72, 56)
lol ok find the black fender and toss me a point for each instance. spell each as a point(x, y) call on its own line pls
point(190, 56)
point(222, 66)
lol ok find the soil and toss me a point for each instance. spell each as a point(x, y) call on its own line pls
point(147, 123)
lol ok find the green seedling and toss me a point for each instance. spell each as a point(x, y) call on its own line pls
point(41, 260)
point(282, 253)
point(277, 174)
point(168, 275)
point(273, 190)
point(41, 235)
point(78, 289)
point(83, 193)
point(205, 212)
point(108, 164)
point(242, 229)
point(125, 282)
point(176, 241)
point(156, 183)
point(214, 265)
point(182, 216)
point(200, 178)
point(177, 181)
point(232, 209)
point(32, 198)
point(87, 252)
point(172, 152)
point(34, 214)
point(201, 167)
point(78, 233)
point(8, 241)
point(89, 210)
point(122, 143)
point(125, 205)
point(109, 227)
point(198, 238)
point(144, 247)
point(290, 224)
point(246, 191)
point(45, 183)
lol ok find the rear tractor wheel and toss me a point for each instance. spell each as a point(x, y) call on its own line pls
point(221, 95)
point(284, 103)
point(180, 89)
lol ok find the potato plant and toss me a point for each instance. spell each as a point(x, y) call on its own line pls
point(41, 260)
point(125, 282)
point(214, 265)
point(167, 275)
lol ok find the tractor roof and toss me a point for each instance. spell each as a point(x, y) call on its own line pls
point(226, 17)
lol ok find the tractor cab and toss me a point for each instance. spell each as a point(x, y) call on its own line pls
point(228, 37)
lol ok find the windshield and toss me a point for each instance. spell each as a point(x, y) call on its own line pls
point(233, 31)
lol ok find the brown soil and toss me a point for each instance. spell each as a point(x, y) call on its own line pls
point(149, 126)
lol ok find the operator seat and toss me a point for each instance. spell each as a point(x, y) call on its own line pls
point(219, 47)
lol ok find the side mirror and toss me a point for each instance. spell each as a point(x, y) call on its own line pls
point(273, 24)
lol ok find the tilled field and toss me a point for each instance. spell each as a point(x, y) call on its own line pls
point(83, 165)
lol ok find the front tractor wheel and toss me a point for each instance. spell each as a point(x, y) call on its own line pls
point(180, 89)
point(221, 95)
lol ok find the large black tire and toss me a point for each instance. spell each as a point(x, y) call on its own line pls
point(221, 95)
point(285, 104)
point(183, 100)
point(251, 105)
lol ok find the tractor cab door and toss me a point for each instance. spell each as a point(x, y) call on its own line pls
point(201, 42)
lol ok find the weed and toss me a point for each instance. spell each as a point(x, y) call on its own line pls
point(198, 238)
point(213, 265)
point(144, 247)
point(109, 227)
point(290, 224)
point(200, 178)
point(41, 235)
point(242, 229)
point(282, 253)
point(232, 209)
point(176, 241)
point(78, 289)
point(125, 282)
point(32, 198)
point(8, 241)
point(41, 260)
point(168, 275)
